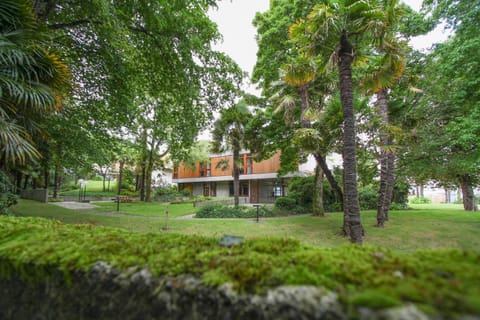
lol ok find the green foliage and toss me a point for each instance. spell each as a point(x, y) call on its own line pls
point(368, 197)
point(7, 197)
point(286, 204)
point(168, 194)
point(220, 211)
point(420, 200)
point(444, 280)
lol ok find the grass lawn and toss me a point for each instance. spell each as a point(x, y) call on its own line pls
point(147, 209)
point(94, 187)
point(425, 227)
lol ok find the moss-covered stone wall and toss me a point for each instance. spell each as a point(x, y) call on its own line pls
point(106, 293)
point(50, 270)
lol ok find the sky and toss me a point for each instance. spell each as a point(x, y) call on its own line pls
point(234, 19)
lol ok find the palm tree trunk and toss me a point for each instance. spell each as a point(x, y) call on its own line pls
point(382, 205)
point(353, 223)
point(318, 209)
point(330, 178)
point(390, 181)
point(236, 176)
point(304, 98)
point(468, 196)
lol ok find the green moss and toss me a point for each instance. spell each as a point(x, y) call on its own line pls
point(446, 280)
point(374, 299)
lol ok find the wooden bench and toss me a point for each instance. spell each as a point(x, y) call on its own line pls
point(122, 199)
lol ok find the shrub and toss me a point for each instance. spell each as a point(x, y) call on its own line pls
point(421, 200)
point(97, 178)
point(186, 193)
point(167, 194)
point(285, 203)
point(367, 197)
point(219, 211)
point(7, 198)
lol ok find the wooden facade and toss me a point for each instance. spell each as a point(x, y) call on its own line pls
point(222, 165)
point(259, 182)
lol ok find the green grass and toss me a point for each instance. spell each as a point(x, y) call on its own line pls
point(447, 281)
point(407, 231)
point(147, 209)
point(93, 188)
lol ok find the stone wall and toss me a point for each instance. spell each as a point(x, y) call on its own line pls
point(35, 194)
point(106, 293)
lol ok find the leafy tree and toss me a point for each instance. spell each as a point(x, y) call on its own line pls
point(447, 117)
point(229, 134)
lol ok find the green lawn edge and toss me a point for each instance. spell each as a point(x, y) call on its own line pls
point(443, 280)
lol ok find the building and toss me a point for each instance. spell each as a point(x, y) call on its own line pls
point(259, 182)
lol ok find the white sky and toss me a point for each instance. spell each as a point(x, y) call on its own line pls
point(234, 19)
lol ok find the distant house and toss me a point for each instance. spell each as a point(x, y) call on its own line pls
point(259, 182)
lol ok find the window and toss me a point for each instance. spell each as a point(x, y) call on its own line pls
point(206, 189)
point(249, 164)
point(243, 192)
point(205, 169)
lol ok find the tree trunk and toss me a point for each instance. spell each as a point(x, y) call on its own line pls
point(330, 178)
point(56, 179)
point(351, 205)
point(46, 177)
point(468, 196)
point(318, 209)
point(148, 178)
point(120, 176)
point(25, 182)
point(304, 98)
point(18, 181)
point(142, 183)
point(390, 182)
point(236, 177)
point(382, 201)
point(104, 175)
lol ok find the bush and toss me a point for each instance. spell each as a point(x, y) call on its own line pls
point(285, 203)
point(219, 211)
point(367, 197)
point(167, 194)
point(7, 197)
point(97, 178)
point(186, 193)
point(420, 200)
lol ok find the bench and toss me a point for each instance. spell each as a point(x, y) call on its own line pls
point(122, 199)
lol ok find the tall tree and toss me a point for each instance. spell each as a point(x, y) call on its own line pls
point(229, 134)
point(388, 65)
point(449, 128)
point(329, 30)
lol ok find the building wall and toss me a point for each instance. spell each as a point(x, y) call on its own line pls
point(266, 166)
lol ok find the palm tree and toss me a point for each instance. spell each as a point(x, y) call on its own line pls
point(388, 66)
point(228, 134)
point(32, 80)
point(328, 31)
